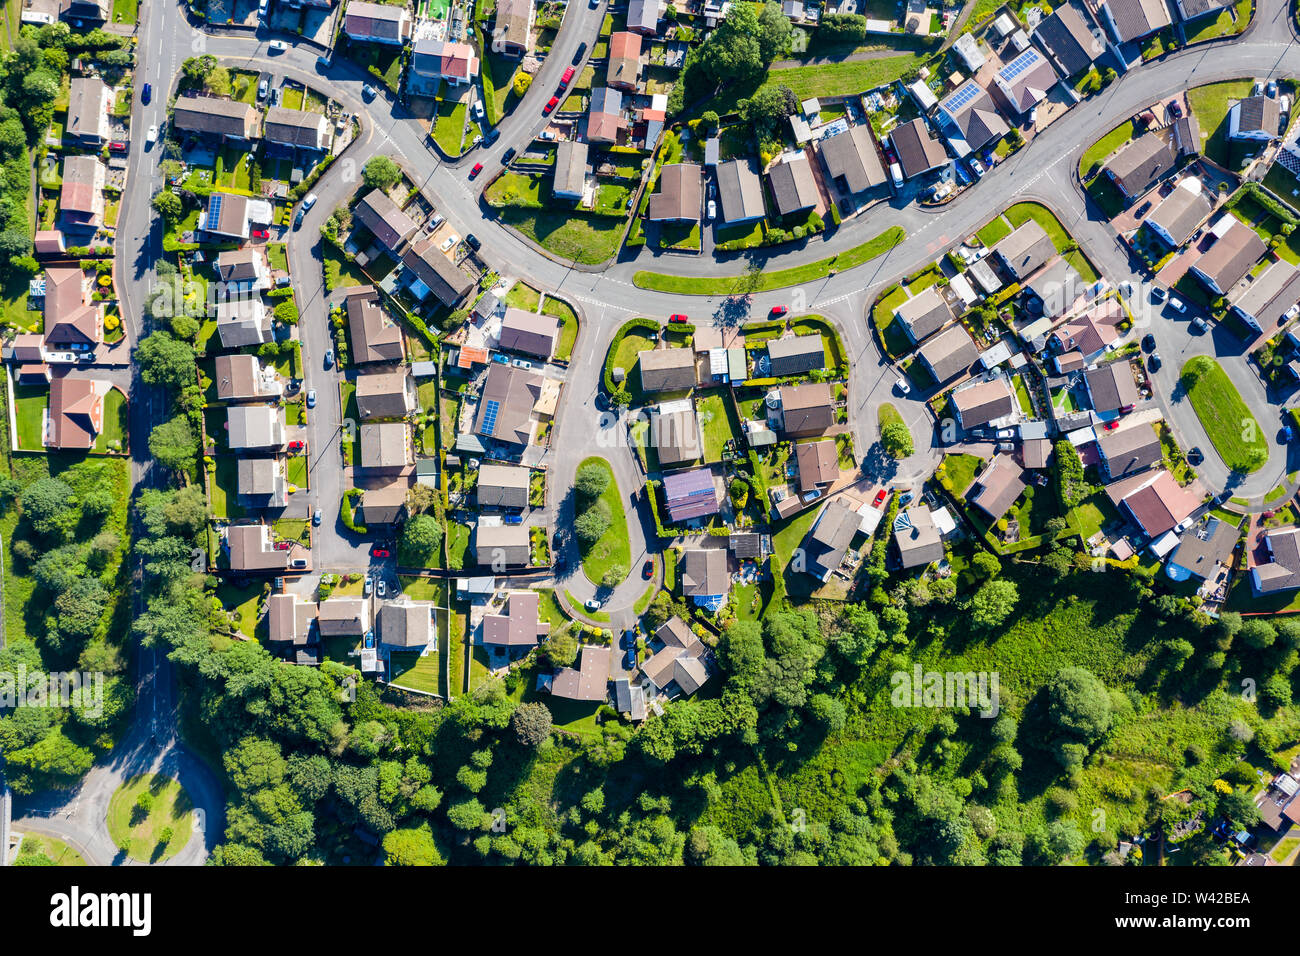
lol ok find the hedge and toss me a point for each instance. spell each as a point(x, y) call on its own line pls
point(348, 508)
point(629, 326)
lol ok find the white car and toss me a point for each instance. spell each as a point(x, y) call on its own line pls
point(151, 136)
point(1126, 289)
point(277, 46)
point(977, 167)
point(381, 589)
point(521, 363)
point(713, 208)
point(902, 386)
point(263, 88)
point(449, 242)
point(309, 202)
point(1176, 304)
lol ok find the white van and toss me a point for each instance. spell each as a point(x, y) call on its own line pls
point(896, 173)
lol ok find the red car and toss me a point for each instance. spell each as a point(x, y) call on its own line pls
point(553, 102)
point(648, 570)
point(478, 168)
point(117, 146)
point(261, 234)
point(296, 446)
point(678, 319)
point(879, 500)
point(568, 75)
point(283, 545)
point(1111, 426)
point(779, 310)
point(378, 552)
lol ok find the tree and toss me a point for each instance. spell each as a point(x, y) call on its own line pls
point(614, 576)
point(592, 480)
point(766, 111)
point(217, 82)
point(592, 524)
point(522, 82)
point(733, 51)
point(47, 506)
point(562, 649)
point(531, 724)
point(422, 536)
point(993, 603)
point(413, 846)
point(774, 32)
point(985, 565)
point(836, 29)
point(1078, 703)
point(896, 438)
point(165, 360)
point(381, 173)
point(174, 445)
point(168, 205)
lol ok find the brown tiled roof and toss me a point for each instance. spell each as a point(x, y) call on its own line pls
point(670, 369)
point(982, 403)
point(681, 189)
point(1137, 166)
point(587, 682)
point(818, 461)
point(518, 626)
point(76, 412)
point(529, 332)
point(1000, 484)
point(949, 353)
point(624, 59)
point(807, 409)
point(1111, 387)
point(375, 336)
point(378, 213)
point(918, 151)
point(216, 116)
point(1231, 256)
point(408, 624)
point(447, 281)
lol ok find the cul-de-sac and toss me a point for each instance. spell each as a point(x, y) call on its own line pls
point(650, 432)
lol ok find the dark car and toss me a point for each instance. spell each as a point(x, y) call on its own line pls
point(1153, 362)
point(577, 57)
point(648, 570)
point(631, 656)
point(1195, 456)
point(492, 136)
point(1148, 342)
point(508, 155)
point(146, 94)
point(473, 242)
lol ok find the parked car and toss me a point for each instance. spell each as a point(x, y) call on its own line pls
point(713, 209)
point(1271, 89)
point(514, 519)
point(261, 234)
point(1177, 304)
point(277, 46)
point(478, 168)
point(521, 363)
point(1198, 324)
point(297, 220)
point(449, 242)
point(631, 655)
point(381, 588)
point(1111, 425)
point(902, 385)
point(508, 155)
point(368, 587)
point(905, 498)
point(329, 358)
point(117, 146)
point(477, 110)
point(262, 7)
point(568, 76)
point(678, 319)
point(151, 136)
point(473, 242)
point(1154, 362)
point(298, 563)
point(1126, 289)
point(311, 397)
point(577, 56)
point(316, 516)
point(977, 168)
point(1148, 343)
point(322, 63)
point(547, 134)
point(592, 605)
point(308, 202)
point(146, 93)
point(879, 500)
point(553, 102)
point(296, 446)
point(263, 88)
point(368, 91)
point(648, 570)
point(1195, 456)
point(378, 551)
point(1158, 294)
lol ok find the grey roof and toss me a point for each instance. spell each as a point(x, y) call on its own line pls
point(643, 15)
point(87, 108)
point(1026, 80)
point(1068, 35)
point(704, 572)
point(741, 191)
point(1111, 387)
point(1025, 250)
point(1257, 113)
point(1283, 572)
point(852, 158)
point(1057, 288)
point(918, 151)
point(589, 680)
point(918, 538)
point(447, 281)
point(792, 354)
point(980, 404)
point(1269, 296)
point(408, 624)
point(506, 404)
point(507, 544)
point(999, 484)
point(667, 369)
point(1203, 548)
point(924, 313)
point(1137, 166)
point(375, 336)
point(1127, 451)
point(1180, 213)
point(793, 184)
point(385, 445)
point(570, 168)
point(949, 353)
point(384, 393)
point(502, 486)
point(681, 190)
point(384, 218)
point(975, 115)
point(1231, 256)
point(530, 332)
point(829, 538)
point(301, 128)
point(1135, 19)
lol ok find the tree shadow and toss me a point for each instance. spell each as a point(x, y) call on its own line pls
point(878, 464)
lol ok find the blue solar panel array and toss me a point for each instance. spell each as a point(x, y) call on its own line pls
point(490, 417)
point(214, 210)
point(968, 92)
point(1019, 65)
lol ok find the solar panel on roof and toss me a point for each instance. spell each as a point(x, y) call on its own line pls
point(214, 210)
point(961, 97)
point(1019, 65)
point(490, 417)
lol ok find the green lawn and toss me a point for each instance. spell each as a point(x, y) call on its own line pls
point(1022, 212)
point(589, 240)
point(821, 79)
point(960, 470)
point(757, 280)
point(30, 402)
point(1210, 105)
point(113, 437)
point(613, 547)
point(144, 831)
point(716, 424)
point(54, 850)
point(449, 127)
point(409, 669)
point(126, 11)
point(1097, 153)
point(1232, 428)
point(340, 271)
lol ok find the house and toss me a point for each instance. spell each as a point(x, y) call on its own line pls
point(966, 49)
point(1071, 38)
point(1234, 252)
point(226, 215)
point(918, 536)
point(851, 160)
point(72, 323)
point(252, 549)
point(681, 190)
point(1089, 334)
point(1254, 118)
point(242, 378)
point(1129, 20)
point(513, 28)
point(605, 119)
point(624, 69)
point(806, 410)
point(924, 313)
point(1203, 552)
point(532, 333)
point(1186, 136)
point(1141, 163)
point(741, 191)
point(970, 119)
point(289, 619)
point(384, 219)
point(377, 22)
point(382, 503)
point(1111, 387)
point(506, 405)
point(406, 624)
point(89, 11)
point(818, 463)
point(679, 662)
point(1025, 81)
point(1126, 451)
point(385, 446)
point(589, 681)
point(643, 16)
point(1278, 809)
point(301, 129)
point(515, 626)
point(502, 486)
point(215, 117)
point(667, 370)
point(48, 242)
point(384, 394)
point(1025, 250)
point(343, 616)
point(243, 321)
point(1054, 290)
point(1282, 571)
point(997, 487)
point(375, 336)
point(792, 183)
point(977, 405)
point(1154, 500)
point(39, 12)
point(690, 495)
point(796, 354)
point(629, 699)
point(949, 353)
point(89, 100)
point(706, 580)
point(434, 60)
point(1268, 299)
point(1194, 9)
point(255, 427)
point(429, 272)
point(828, 540)
point(260, 483)
point(76, 413)
point(675, 433)
point(1035, 452)
point(1179, 213)
point(570, 169)
point(918, 151)
point(243, 271)
point(652, 118)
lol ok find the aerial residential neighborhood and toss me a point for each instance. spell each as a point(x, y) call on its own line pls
point(651, 432)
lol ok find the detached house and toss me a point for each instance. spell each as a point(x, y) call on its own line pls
point(375, 336)
point(690, 495)
point(532, 333)
point(1141, 164)
point(643, 16)
point(385, 446)
point(1071, 38)
point(1025, 250)
point(501, 546)
point(706, 579)
point(624, 70)
point(570, 176)
point(261, 483)
point(1111, 387)
point(377, 22)
point(1154, 501)
point(506, 405)
point(918, 151)
point(76, 414)
point(675, 435)
point(851, 160)
point(1254, 118)
point(407, 624)
point(81, 199)
point(227, 216)
point(681, 192)
point(977, 405)
point(1025, 81)
point(796, 354)
point(605, 120)
point(73, 323)
point(829, 538)
point(384, 219)
point(818, 463)
point(513, 28)
point(242, 378)
point(242, 321)
point(793, 186)
point(434, 61)
point(242, 271)
point(89, 100)
point(255, 427)
point(1282, 571)
point(741, 191)
point(667, 370)
point(924, 314)
point(430, 273)
point(502, 486)
point(1091, 333)
point(1126, 451)
point(515, 626)
point(997, 487)
point(1129, 20)
point(1179, 213)
point(949, 353)
point(806, 410)
point(1235, 250)
point(385, 394)
point(970, 119)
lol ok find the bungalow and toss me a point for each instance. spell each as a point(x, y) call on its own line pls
point(589, 681)
point(89, 100)
point(261, 483)
point(384, 394)
point(502, 486)
point(513, 29)
point(681, 191)
point(997, 487)
point(227, 215)
point(532, 333)
point(675, 433)
point(215, 117)
point(289, 619)
point(1254, 118)
point(434, 61)
point(255, 427)
point(252, 549)
point(1282, 571)
point(76, 413)
point(242, 378)
point(829, 538)
point(1126, 451)
point(690, 495)
point(706, 579)
point(918, 151)
point(1071, 38)
point(796, 354)
point(624, 71)
point(924, 313)
point(72, 322)
point(506, 405)
point(382, 503)
point(1025, 81)
point(918, 536)
point(385, 446)
point(818, 463)
point(667, 370)
point(793, 186)
point(1090, 334)
point(1179, 213)
point(1055, 289)
point(643, 16)
point(384, 219)
point(1154, 500)
point(605, 120)
point(1194, 9)
point(343, 616)
point(982, 403)
point(806, 410)
point(1234, 252)
point(375, 336)
point(1203, 552)
point(852, 161)
point(243, 321)
point(407, 624)
point(1269, 299)
point(1141, 163)
point(429, 272)
point(678, 665)
point(299, 129)
point(377, 22)
point(1111, 387)
point(242, 271)
point(741, 191)
point(515, 626)
point(1025, 250)
point(1129, 20)
point(90, 11)
point(570, 170)
point(949, 353)
point(970, 119)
